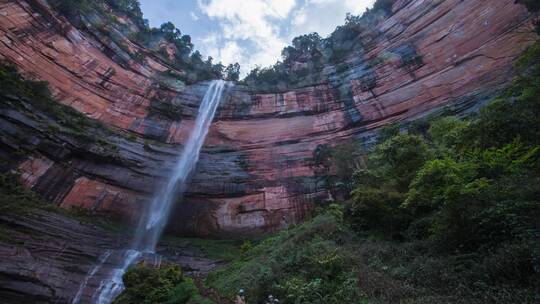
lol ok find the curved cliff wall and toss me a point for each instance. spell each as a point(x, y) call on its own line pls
point(256, 171)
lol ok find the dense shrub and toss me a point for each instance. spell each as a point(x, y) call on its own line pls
point(467, 187)
point(305, 264)
point(148, 285)
point(455, 174)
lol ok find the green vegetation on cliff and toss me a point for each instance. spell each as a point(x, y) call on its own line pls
point(303, 61)
point(16, 199)
point(51, 123)
point(167, 42)
point(34, 99)
point(17, 90)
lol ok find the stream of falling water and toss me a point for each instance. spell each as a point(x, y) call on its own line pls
point(153, 221)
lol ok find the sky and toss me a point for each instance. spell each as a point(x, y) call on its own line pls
point(250, 32)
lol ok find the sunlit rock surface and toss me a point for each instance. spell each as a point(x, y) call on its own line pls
point(256, 171)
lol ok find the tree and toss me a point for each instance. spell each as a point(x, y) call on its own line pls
point(232, 72)
point(305, 47)
point(217, 70)
point(399, 157)
point(447, 132)
point(184, 45)
point(131, 8)
point(384, 5)
point(169, 29)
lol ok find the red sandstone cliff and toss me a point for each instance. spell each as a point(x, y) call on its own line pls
point(255, 172)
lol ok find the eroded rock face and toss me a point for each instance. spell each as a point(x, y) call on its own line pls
point(44, 258)
point(256, 171)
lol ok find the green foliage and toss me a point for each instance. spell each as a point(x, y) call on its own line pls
point(222, 250)
point(149, 285)
point(467, 187)
point(304, 264)
point(22, 92)
point(444, 212)
point(344, 158)
point(376, 207)
point(385, 5)
point(184, 57)
point(73, 9)
point(303, 61)
point(438, 182)
point(15, 198)
point(336, 164)
point(446, 132)
point(246, 246)
point(398, 158)
point(305, 47)
point(232, 72)
point(516, 113)
point(389, 131)
point(131, 8)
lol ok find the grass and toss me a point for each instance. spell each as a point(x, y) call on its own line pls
point(86, 216)
point(214, 249)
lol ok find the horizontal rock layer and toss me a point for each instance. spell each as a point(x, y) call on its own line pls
point(256, 170)
point(44, 258)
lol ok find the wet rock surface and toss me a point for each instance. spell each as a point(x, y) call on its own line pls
point(44, 257)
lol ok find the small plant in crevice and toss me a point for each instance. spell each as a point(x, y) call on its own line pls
point(410, 60)
point(368, 82)
point(243, 162)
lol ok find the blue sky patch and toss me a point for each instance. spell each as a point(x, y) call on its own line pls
point(250, 32)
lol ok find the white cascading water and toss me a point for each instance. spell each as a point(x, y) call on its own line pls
point(92, 272)
point(153, 221)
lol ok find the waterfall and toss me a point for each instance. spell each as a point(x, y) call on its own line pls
point(92, 272)
point(153, 222)
point(155, 218)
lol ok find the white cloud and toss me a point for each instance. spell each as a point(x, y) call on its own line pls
point(193, 16)
point(322, 16)
point(358, 7)
point(254, 32)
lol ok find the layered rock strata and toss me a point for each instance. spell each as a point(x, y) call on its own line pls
point(256, 172)
point(46, 256)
